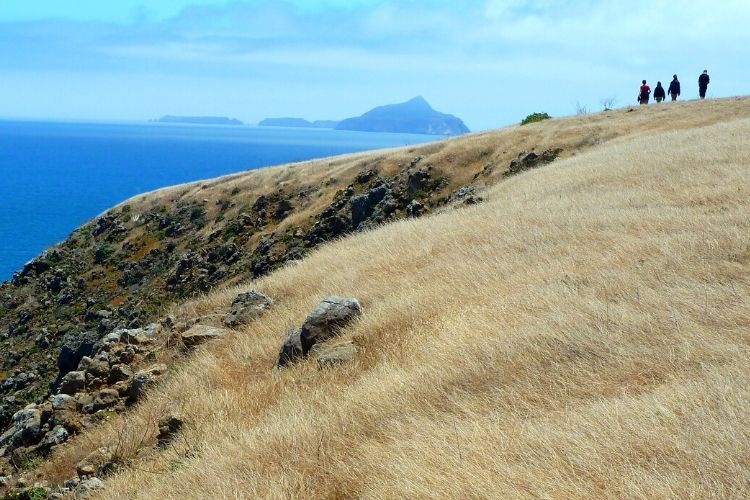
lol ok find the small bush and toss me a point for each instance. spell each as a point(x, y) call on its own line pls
point(535, 117)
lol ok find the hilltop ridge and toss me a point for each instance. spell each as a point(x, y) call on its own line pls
point(552, 298)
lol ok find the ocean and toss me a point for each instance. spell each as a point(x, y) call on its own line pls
point(56, 176)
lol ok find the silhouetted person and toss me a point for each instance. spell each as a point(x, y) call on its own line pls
point(659, 94)
point(703, 82)
point(644, 93)
point(674, 88)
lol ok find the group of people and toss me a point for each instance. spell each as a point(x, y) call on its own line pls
point(644, 94)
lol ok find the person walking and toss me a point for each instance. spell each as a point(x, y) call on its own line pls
point(703, 82)
point(644, 93)
point(659, 94)
point(674, 88)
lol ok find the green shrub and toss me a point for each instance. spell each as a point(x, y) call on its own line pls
point(535, 117)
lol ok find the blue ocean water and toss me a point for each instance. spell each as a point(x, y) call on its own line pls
point(56, 176)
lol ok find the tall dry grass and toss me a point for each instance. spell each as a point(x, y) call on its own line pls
point(584, 333)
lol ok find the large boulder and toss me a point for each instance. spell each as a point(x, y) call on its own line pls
point(326, 319)
point(327, 355)
point(246, 307)
point(321, 324)
point(75, 346)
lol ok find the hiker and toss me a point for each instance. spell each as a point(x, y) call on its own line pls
point(703, 82)
point(644, 93)
point(674, 88)
point(659, 94)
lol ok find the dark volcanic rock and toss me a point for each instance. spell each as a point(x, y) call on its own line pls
point(74, 347)
point(530, 159)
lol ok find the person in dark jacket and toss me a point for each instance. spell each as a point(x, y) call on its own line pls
point(644, 93)
point(659, 94)
point(674, 88)
point(703, 82)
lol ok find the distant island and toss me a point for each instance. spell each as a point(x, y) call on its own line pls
point(297, 122)
point(412, 117)
point(199, 120)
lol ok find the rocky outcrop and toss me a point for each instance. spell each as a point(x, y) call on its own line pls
point(325, 321)
point(527, 160)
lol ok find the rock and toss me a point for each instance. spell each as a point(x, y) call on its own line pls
point(246, 307)
point(466, 195)
point(119, 373)
point(72, 383)
point(97, 368)
point(530, 159)
point(291, 349)
point(87, 486)
point(75, 346)
point(144, 379)
point(321, 324)
point(64, 402)
point(55, 437)
point(415, 209)
point(25, 429)
point(200, 334)
point(169, 425)
point(97, 462)
point(328, 356)
point(106, 398)
point(331, 314)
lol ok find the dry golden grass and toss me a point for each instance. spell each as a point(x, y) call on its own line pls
point(584, 333)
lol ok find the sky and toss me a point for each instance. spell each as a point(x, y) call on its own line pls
point(490, 62)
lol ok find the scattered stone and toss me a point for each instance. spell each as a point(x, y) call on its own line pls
point(415, 209)
point(119, 373)
point(200, 334)
point(55, 437)
point(72, 383)
point(106, 398)
point(87, 486)
point(144, 379)
point(246, 307)
point(169, 425)
point(64, 402)
point(466, 195)
point(328, 356)
point(96, 462)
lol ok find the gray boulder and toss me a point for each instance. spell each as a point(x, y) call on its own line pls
point(326, 319)
point(106, 398)
point(321, 324)
point(72, 383)
point(25, 429)
point(87, 486)
point(246, 307)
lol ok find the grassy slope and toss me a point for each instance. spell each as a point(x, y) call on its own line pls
point(583, 333)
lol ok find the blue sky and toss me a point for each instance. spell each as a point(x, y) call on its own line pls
point(491, 62)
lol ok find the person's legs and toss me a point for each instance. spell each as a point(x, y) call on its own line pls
point(674, 96)
point(702, 92)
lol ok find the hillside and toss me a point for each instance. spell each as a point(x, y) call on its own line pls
point(415, 116)
point(580, 331)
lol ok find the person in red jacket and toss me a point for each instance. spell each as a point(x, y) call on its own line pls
point(644, 94)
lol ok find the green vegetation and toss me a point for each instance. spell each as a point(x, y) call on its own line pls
point(535, 117)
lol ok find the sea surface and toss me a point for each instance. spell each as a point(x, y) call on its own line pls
point(56, 176)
